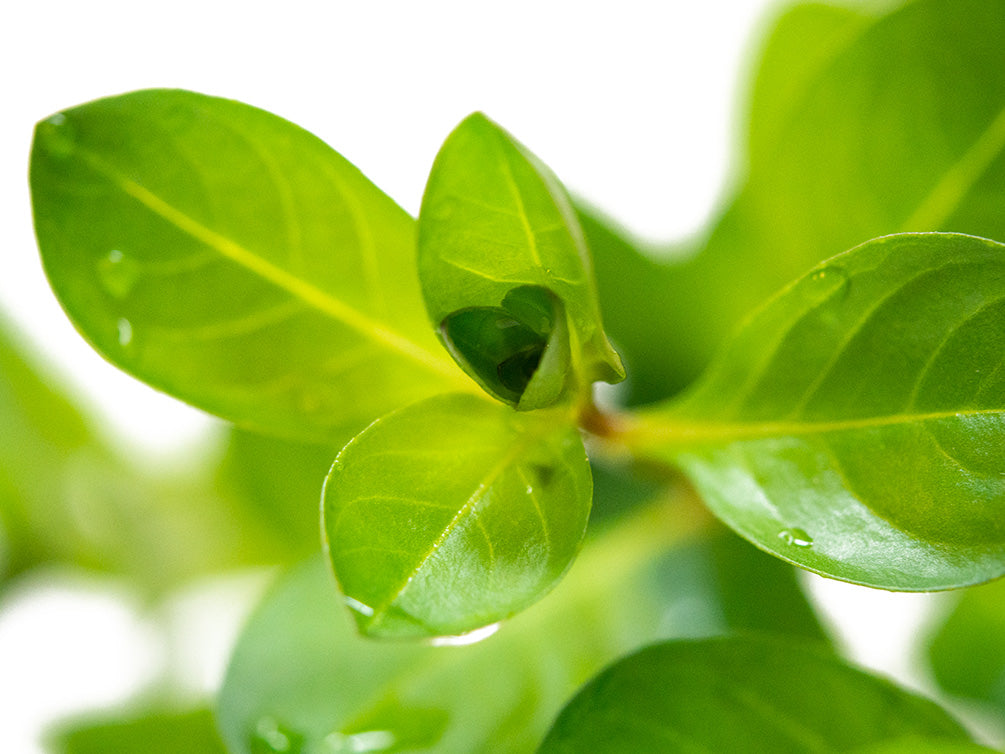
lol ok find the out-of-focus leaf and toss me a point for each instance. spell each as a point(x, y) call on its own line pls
point(41, 432)
point(757, 592)
point(638, 306)
point(967, 654)
point(277, 484)
point(740, 694)
point(501, 253)
point(228, 257)
point(66, 496)
point(192, 732)
point(865, 121)
point(854, 426)
point(299, 668)
point(454, 513)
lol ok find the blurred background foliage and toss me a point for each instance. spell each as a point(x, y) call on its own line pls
point(863, 118)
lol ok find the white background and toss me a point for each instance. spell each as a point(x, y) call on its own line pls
point(632, 104)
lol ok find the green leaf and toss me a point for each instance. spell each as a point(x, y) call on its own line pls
point(67, 497)
point(277, 484)
point(506, 274)
point(967, 654)
point(454, 513)
point(637, 323)
point(756, 592)
point(740, 694)
point(854, 426)
point(192, 732)
point(228, 257)
point(299, 666)
point(43, 431)
point(864, 121)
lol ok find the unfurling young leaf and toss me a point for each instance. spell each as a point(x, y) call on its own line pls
point(855, 424)
point(454, 513)
point(506, 274)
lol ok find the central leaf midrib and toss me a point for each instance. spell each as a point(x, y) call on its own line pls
point(296, 287)
point(666, 430)
point(518, 447)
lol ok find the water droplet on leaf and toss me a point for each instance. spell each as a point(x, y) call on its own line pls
point(830, 280)
point(118, 273)
point(58, 136)
point(125, 330)
point(271, 736)
point(796, 537)
point(364, 741)
point(388, 726)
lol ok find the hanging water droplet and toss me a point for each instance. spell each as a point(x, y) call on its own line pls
point(795, 537)
point(57, 135)
point(118, 273)
point(125, 330)
point(272, 737)
point(471, 637)
point(359, 607)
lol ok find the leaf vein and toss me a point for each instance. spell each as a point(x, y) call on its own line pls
point(282, 279)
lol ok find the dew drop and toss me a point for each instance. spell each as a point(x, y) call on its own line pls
point(118, 273)
point(471, 637)
point(365, 741)
point(125, 330)
point(795, 537)
point(58, 136)
point(271, 737)
point(359, 607)
point(829, 281)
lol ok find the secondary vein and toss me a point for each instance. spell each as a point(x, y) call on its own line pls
point(310, 294)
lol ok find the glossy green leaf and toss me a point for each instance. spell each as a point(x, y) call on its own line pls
point(967, 654)
point(501, 254)
point(454, 513)
point(300, 668)
point(864, 120)
point(228, 257)
point(740, 694)
point(854, 426)
point(192, 732)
